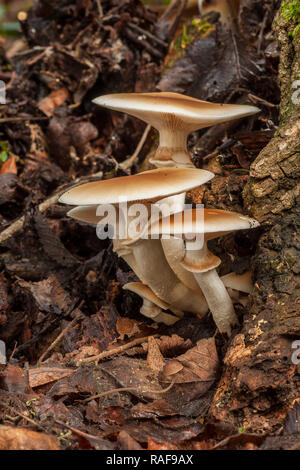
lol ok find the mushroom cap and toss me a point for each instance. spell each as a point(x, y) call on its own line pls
point(85, 214)
point(146, 293)
point(212, 222)
point(174, 110)
point(149, 185)
point(240, 282)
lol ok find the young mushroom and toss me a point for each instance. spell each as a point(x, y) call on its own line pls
point(175, 116)
point(204, 225)
point(152, 305)
point(238, 286)
point(146, 256)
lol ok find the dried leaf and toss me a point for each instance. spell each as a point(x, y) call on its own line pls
point(9, 166)
point(52, 101)
point(43, 375)
point(16, 380)
point(199, 364)
point(126, 442)
point(155, 359)
point(24, 439)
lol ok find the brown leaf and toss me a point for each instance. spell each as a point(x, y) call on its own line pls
point(126, 326)
point(155, 359)
point(126, 442)
point(47, 295)
point(9, 166)
point(52, 101)
point(8, 187)
point(24, 439)
point(196, 365)
point(156, 409)
point(154, 445)
point(43, 375)
point(16, 380)
point(173, 345)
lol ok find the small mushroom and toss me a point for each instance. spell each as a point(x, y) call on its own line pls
point(145, 256)
point(238, 286)
point(152, 305)
point(226, 8)
point(196, 258)
point(174, 116)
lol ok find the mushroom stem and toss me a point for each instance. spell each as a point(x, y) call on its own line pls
point(198, 260)
point(157, 274)
point(219, 302)
point(174, 247)
point(172, 149)
point(150, 310)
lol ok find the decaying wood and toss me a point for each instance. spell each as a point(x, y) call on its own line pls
point(260, 375)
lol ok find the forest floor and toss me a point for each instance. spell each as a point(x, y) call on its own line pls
point(61, 296)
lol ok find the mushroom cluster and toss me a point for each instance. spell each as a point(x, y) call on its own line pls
point(168, 252)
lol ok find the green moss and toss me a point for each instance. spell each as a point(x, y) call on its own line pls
point(191, 32)
point(291, 13)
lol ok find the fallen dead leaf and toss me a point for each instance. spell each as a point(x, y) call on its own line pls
point(43, 375)
point(9, 166)
point(198, 364)
point(12, 438)
point(52, 101)
point(155, 358)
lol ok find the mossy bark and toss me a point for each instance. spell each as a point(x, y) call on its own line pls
point(260, 379)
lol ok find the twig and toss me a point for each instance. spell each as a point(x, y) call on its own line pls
point(261, 33)
point(31, 421)
point(43, 206)
point(18, 224)
point(111, 352)
point(129, 162)
point(145, 43)
point(127, 389)
point(61, 335)
point(76, 431)
point(147, 33)
point(20, 119)
point(100, 9)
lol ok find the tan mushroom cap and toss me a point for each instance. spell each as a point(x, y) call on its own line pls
point(85, 214)
point(211, 222)
point(149, 185)
point(146, 293)
point(240, 282)
point(175, 110)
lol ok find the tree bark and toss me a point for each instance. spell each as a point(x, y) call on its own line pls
point(261, 379)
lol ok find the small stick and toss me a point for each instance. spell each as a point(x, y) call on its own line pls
point(60, 336)
point(21, 119)
point(127, 389)
point(76, 431)
point(100, 9)
point(129, 162)
point(43, 206)
point(147, 33)
point(31, 421)
point(114, 351)
point(18, 224)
